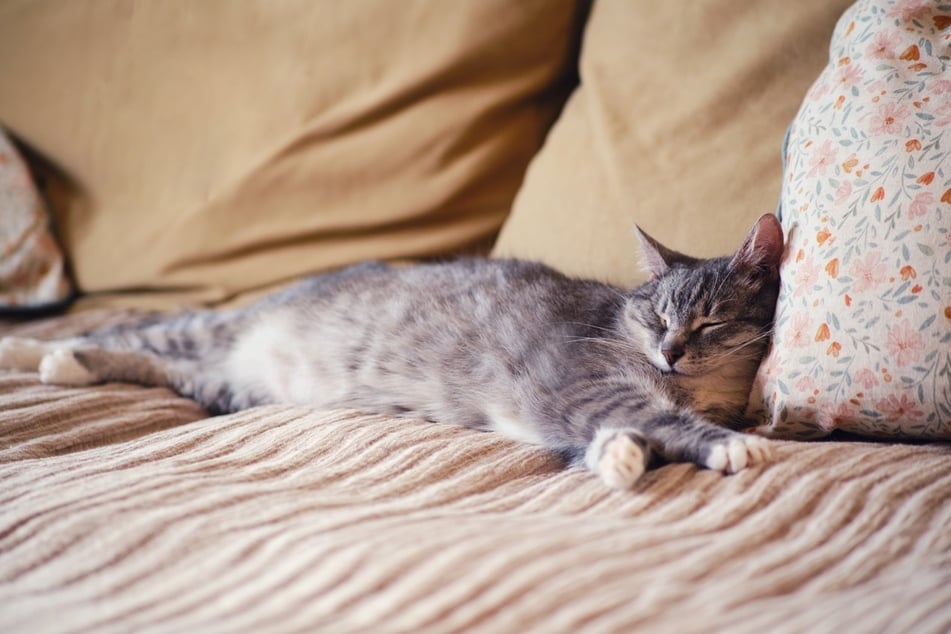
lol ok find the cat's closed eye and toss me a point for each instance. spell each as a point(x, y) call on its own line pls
point(710, 326)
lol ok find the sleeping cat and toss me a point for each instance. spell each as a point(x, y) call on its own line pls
point(604, 376)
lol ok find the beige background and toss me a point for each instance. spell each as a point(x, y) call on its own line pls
point(677, 126)
point(217, 146)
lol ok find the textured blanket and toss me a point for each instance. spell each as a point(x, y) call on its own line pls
point(127, 509)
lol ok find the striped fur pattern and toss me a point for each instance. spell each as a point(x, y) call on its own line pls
point(609, 377)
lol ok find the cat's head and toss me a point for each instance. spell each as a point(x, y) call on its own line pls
point(699, 316)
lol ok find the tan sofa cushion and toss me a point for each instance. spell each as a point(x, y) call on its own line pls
point(677, 126)
point(220, 146)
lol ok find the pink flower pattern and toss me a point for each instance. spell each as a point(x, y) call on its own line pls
point(798, 335)
point(905, 344)
point(869, 272)
point(865, 378)
point(832, 416)
point(943, 114)
point(806, 278)
point(897, 408)
point(889, 119)
point(848, 75)
point(862, 339)
point(907, 10)
point(843, 192)
point(919, 206)
point(883, 45)
point(822, 158)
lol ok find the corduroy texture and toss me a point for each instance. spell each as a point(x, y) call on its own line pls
point(123, 509)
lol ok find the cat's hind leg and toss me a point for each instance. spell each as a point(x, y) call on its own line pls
point(87, 365)
point(24, 354)
point(619, 456)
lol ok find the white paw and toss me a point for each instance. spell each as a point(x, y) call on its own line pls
point(60, 367)
point(738, 453)
point(616, 458)
point(18, 353)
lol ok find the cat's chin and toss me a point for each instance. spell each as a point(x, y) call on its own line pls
point(678, 370)
point(667, 370)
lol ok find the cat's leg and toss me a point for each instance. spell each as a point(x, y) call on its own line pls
point(25, 354)
point(619, 455)
point(687, 437)
point(626, 422)
point(88, 365)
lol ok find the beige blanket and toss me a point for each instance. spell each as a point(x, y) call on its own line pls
point(125, 509)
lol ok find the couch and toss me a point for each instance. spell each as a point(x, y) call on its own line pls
point(204, 153)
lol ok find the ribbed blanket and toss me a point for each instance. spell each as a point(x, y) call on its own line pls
point(127, 509)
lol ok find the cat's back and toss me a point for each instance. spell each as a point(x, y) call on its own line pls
point(465, 288)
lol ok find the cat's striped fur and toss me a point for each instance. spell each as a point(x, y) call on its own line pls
point(603, 375)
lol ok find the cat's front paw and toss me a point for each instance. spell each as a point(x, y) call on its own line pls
point(19, 353)
point(620, 457)
point(60, 367)
point(738, 452)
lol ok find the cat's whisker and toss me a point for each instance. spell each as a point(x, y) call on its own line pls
point(627, 347)
point(736, 349)
point(586, 325)
point(719, 288)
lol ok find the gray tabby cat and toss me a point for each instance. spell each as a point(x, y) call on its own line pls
point(604, 376)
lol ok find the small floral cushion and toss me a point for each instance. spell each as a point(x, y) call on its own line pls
point(31, 263)
point(863, 326)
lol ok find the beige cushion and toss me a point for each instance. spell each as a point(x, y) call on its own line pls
point(677, 126)
point(218, 146)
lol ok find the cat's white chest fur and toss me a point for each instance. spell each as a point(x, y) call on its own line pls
point(509, 425)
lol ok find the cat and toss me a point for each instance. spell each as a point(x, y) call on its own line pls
point(606, 377)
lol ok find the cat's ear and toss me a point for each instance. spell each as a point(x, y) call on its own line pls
point(762, 250)
point(656, 258)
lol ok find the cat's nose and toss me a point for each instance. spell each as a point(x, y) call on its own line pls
point(672, 352)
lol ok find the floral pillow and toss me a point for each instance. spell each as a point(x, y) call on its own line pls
point(863, 326)
point(32, 273)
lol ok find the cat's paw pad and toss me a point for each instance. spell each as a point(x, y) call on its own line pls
point(738, 453)
point(18, 353)
point(60, 367)
point(618, 458)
